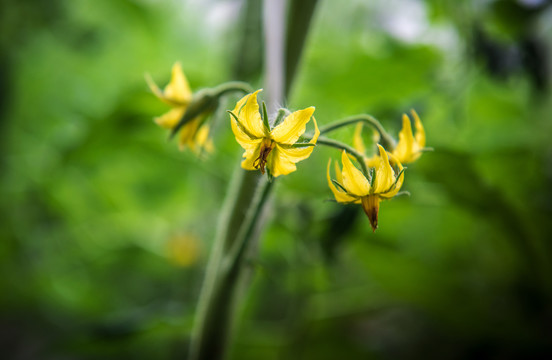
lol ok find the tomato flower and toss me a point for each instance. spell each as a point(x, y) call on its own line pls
point(352, 186)
point(276, 149)
point(177, 94)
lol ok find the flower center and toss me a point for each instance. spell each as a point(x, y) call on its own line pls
point(266, 148)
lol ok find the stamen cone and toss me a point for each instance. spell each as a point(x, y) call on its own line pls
point(370, 204)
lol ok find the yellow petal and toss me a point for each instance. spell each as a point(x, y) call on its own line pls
point(251, 154)
point(397, 186)
point(373, 161)
point(178, 89)
point(241, 137)
point(420, 132)
point(279, 164)
point(405, 151)
point(170, 118)
point(201, 141)
point(249, 116)
point(295, 154)
point(187, 133)
point(339, 195)
point(358, 143)
point(292, 127)
point(385, 176)
point(155, 89)
point(298, 154)
point(353, 180)
point(338, 175)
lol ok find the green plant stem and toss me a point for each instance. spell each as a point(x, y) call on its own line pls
point(215, 305)
point(232, 86)
point(339, 145)
point(385, 139)
point(242, 243)
point(238, 228)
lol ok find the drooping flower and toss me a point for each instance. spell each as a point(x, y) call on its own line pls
point(275, 149)
point(195, 133)
point(352, 186)
point(408, 149)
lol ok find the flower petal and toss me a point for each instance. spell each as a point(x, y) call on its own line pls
point(338, 174)
point(251, 154)
point(170, 118)
point(178, 89)
point(358, 143)
point(385, 176)
point(420, 132)
point(279, 163)
point(292, 127)
point(353, 180)
point(405, 150)
point(340, 196)
point(187, 134)
point(247, 111)
point(398, 182)
point(296, 154)
point(202, 142)
point(244, 139)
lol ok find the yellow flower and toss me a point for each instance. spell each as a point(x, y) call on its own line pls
point(276, 149)
point(408, 149)
point(354, 187)
point(177, 94)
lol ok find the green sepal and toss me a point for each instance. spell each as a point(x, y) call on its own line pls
point(300, 145)
point(372, 176)
point(265, 118)
point(336, 183)
point(240, 125)
point(203, 102)
point(396, 180)
point(269, 176)
point(282, 113)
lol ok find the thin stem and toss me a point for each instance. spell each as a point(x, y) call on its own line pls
point(386, 140)
point(232, 86)
point(339, 145)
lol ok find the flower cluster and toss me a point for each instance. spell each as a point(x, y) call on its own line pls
point(275, 146)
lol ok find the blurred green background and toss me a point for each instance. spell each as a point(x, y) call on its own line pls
point(106, 227)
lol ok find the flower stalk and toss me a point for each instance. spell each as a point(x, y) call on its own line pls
point(361, 159)
point(385, 139)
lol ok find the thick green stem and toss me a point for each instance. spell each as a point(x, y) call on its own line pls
point(242, 243)
point(238, 227)
point(386, 140)
point(214, 314)
point(339, 145)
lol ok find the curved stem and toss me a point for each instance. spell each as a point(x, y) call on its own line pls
point(339, 145)
point(386, 140)
point(232, 86)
